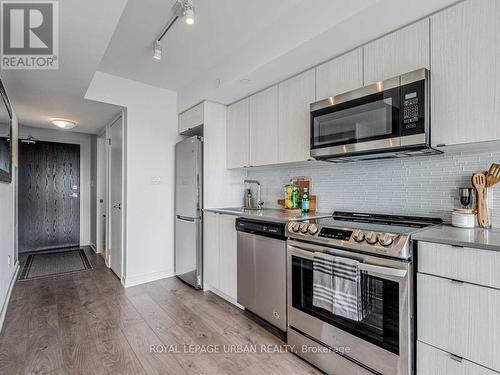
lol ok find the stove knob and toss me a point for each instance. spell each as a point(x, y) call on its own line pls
point(304, 227)
point(313, 229)
point(359, 236)
point(296, 227)
point(371, 238)
point(385, 239)
point(290, 226)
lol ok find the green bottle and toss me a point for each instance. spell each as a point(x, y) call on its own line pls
point(295, 196)
point(305, 201)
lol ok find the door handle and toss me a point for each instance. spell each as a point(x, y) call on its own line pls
point(118, 206)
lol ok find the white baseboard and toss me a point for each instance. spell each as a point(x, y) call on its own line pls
point(9, 292)
point(93, 247)
point(146, 277)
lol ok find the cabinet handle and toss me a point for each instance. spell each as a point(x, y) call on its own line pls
point(456, 358)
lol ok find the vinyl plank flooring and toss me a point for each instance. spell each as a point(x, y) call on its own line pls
point(86, 323)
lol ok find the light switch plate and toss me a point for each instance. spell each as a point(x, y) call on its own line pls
point(156, 180)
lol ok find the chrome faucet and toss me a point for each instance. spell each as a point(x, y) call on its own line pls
point(260, 203)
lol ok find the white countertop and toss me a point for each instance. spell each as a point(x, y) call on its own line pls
point(269, 214)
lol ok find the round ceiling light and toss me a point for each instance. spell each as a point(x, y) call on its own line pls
point(63, 124)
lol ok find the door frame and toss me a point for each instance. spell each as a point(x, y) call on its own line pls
point(101, 193)
point(107, 132)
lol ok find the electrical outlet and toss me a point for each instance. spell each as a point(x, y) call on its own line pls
point(8, 261)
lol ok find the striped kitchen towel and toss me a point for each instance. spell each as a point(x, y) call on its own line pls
point(337, 286)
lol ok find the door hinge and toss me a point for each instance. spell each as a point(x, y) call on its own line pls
point(109, 141)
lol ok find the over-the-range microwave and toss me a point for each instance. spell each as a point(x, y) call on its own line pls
point(384, 120)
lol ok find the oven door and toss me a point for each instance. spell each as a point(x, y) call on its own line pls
point(365, 120)
point(382, 340)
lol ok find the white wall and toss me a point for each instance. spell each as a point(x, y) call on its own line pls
point(7, 230)
point(84, 140)
point(150, 137)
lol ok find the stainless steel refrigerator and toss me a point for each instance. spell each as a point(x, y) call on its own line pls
point(188, 211)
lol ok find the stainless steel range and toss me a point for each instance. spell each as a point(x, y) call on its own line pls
point(350, 292)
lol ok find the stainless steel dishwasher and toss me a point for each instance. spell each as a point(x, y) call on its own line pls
point(262, 269)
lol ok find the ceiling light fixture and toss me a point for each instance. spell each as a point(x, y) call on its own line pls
point(181, 8)
point(63, 124)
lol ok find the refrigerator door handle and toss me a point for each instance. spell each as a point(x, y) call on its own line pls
point(197, 191)
point(185, 219)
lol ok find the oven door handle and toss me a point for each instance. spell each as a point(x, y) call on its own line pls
point(385, 271)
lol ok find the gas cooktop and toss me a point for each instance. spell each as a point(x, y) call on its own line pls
point(385, 235)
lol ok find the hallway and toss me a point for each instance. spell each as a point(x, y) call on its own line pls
point(86, 323)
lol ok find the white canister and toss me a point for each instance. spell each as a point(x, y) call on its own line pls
point(463, 218)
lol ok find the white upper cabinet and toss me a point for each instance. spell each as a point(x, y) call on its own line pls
point(264, 127)
point(342, 74)
point(465, 73)
point(191, 118)
point(400, 52)
point(295, 96)
point(237, 132)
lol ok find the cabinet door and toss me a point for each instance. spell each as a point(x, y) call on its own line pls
point(237, 146)
point(191, 118)
point(228, 259)
point(211, 252)
point(342, 74)
point(432, 361)
point(400, 52)
point(459, 318)
point(295, 96)
point(264, 127)
point(465, 75)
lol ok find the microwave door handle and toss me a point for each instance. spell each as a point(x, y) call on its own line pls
point(385, 271)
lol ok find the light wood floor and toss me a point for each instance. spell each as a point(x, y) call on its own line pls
point(86, 323)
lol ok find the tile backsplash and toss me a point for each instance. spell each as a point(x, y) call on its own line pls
point(426, 186)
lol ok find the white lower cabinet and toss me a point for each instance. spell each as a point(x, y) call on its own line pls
point(459, 318)
point(227, 255)
point(211, 249)
point(219, 253)
point(432, 361)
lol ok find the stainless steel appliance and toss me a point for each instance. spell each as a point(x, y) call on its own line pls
point(262, 269)
point(382, 342)
point(386, 119)
point(467, 197)
point(188, 211)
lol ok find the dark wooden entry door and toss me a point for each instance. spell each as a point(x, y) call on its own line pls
point(49, 196)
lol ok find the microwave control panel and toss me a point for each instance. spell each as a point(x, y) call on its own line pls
point(413, 108)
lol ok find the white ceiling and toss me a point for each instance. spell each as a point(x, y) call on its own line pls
point(260, 40)
point(85, 30)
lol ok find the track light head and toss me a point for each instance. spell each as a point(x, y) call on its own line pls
point(189, 15)
point(157, 50)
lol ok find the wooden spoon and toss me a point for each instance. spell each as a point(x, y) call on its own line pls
point(479, 181)
point(493, 175)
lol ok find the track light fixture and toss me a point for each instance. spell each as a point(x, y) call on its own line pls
point(181, 8)
point(157, 50)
